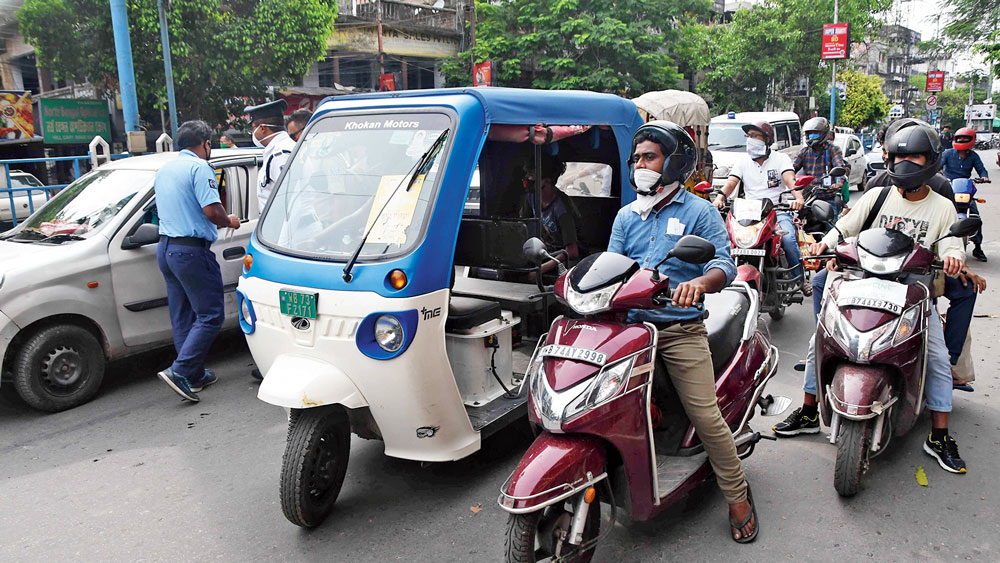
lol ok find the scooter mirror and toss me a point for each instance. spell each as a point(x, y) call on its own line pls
point(703, 187)
point(838, 172)
point(965, 227)
point(534, 250)
point(822, 211)
point(693, 250)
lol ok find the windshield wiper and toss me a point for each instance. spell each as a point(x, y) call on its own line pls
point(420, 167)
point(60, 238)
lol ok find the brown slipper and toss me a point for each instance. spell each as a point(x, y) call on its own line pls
point(737, 527)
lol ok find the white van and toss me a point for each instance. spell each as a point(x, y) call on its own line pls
point(79, 282)
point(727, 141)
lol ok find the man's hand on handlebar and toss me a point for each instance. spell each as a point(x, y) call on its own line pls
point(688, 293)
point(817, 248)
point(797, 204)
point(720, 201)
point(952, 266)
point(978, 282)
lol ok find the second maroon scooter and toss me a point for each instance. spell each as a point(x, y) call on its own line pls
point(611, 426)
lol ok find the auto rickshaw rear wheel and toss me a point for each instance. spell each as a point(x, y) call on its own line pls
point(59, 367)
point(315, 463)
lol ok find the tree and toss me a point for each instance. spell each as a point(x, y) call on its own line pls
point(223, 51)
point(759, 57)
point(866, 104)
point(618, 46)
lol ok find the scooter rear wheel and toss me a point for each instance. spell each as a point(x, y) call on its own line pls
point(315, 464)
point(532, 537)
point(853, 444)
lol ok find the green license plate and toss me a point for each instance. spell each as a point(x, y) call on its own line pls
point(295, 304)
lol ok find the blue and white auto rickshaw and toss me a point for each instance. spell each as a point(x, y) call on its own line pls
point(385, 291)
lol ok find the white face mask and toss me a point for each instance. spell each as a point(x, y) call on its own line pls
point(645, 178)
point(756, 148)
point(644, 204)
point(259, 142)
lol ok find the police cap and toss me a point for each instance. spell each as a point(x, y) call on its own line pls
point(270, 112)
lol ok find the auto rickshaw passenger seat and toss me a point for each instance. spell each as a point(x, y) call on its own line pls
point(465, 313)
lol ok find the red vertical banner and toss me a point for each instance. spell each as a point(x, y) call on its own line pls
point(387, 82)
point(935, 81)
point(836, 41)
point(482, 74)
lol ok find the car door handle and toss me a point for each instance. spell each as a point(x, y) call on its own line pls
point(234, 253)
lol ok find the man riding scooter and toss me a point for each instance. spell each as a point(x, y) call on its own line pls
point(820, 156)
point(910, 206)
point(958, 162)
point(663, 155)
point(762, 173)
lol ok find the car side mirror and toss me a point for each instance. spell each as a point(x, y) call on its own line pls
point(146, 234)
point(822, 211)
point(534, 250)
point(693, 250)
point(965, 227)
point(851, 151)
point(838, 172)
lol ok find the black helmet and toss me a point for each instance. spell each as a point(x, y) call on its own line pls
point(816, 131)
point(912, 136)
point(676, 144)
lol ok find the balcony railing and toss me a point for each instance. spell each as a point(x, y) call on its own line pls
point(405, 15)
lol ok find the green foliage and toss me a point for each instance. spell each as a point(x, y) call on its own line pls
point(762, 53)
point(865, 105)
point(970, 21)
point(223, 52)
point(619, 46)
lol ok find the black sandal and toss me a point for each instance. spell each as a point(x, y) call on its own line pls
point(737, 527)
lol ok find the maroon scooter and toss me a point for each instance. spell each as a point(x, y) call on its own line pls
point(611, 426)
point(871, 344)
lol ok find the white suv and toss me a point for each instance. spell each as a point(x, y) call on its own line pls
point(79, 282)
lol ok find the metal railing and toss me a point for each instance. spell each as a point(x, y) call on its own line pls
point(404, 14)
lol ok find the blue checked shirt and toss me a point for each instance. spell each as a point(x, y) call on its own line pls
point(647, 242)
point(953, 166)
point(818, 164)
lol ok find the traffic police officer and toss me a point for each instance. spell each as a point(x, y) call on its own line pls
point(190, 214)
point(267, 129)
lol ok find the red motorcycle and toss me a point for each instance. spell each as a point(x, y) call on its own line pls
point(611, 426)
point(871, 344)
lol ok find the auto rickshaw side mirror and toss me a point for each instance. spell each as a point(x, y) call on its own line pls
point(534, 250)
point(146, 234)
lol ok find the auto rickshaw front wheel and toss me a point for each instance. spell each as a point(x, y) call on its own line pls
point(315, 463)
point(59, 367)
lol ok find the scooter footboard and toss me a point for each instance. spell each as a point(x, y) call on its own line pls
point(555, 467)
point(857, 391)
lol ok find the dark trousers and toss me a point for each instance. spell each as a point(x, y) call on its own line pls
point(194, 295)
point(977, 239)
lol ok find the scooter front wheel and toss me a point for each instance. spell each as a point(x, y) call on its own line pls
point(538, 536)
point(853, 444)
point(315, 464)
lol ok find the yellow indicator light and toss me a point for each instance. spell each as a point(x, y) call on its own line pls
point(590, 495)
point(92, 284)
point(247, 262)
point(397, 279)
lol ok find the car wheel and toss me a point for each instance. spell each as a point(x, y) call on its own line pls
point(59, 367)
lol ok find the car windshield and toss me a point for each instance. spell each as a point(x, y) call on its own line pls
point(24, 181)
point(726, 136)
point(342, 175)
point(84, 206)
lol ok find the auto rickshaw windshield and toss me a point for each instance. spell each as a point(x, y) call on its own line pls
point(344, 171)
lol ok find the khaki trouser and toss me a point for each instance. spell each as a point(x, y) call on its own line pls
point(684, 350)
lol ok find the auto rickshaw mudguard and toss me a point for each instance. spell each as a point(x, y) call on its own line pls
point(298, 382)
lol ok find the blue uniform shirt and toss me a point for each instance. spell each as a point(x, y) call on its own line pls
point(954, 166)
point(183, 187)
point(647, 242)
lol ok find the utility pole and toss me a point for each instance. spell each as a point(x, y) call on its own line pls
point(126, 74)
point(168, 70)
point(833, 84)
point(381, 53)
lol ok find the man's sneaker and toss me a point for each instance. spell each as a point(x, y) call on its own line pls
point(179, 384)
point(796, 424)
point(206, 380)
point(978, 254)
point(946, 453)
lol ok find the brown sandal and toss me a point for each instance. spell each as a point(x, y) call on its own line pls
point(737, 527)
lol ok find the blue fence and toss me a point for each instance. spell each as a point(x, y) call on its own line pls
point(27, 195)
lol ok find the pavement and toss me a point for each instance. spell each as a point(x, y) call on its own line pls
point(138, 475)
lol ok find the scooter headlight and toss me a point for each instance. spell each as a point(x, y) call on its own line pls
point(593, 301)
point(389, 333)
point(604, 387)
point(746, 237)
point(880, 264)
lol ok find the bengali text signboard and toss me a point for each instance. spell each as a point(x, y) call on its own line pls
point(74, 121)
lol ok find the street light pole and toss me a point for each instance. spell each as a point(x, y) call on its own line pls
point(126, 74)
point(833, 83)
point(168, 70)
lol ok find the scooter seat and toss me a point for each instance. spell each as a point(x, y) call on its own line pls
point(727, 315)
point(465, 313)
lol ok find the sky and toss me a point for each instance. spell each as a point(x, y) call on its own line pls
point(921, 15)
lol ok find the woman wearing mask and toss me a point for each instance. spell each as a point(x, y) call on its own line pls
point(765, 174)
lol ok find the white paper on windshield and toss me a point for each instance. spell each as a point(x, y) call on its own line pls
point(873, 293)
point(747, 209)
point(418, 144)
point(828, 181)
point(391, 227)
point(401, 137)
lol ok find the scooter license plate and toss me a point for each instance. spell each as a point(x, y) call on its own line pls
point(297, 304)
point(574, 353)
point(747, 252)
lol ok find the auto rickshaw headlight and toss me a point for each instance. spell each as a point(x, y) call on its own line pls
point(389, 333)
